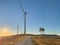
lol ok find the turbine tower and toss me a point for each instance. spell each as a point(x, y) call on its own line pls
point(17, 29)
point(24, 12)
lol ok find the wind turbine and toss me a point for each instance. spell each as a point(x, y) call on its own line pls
point(17, 29)
point(24, 12)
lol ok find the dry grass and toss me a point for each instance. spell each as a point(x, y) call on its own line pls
point(45, 40)
point(11, 40)
point(37, 40)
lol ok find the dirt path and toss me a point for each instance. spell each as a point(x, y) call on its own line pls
point(26, 41)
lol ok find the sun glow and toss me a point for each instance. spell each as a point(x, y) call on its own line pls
point(5, 31)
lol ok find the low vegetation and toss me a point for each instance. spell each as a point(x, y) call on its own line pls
point(37, 40)
point(45, 40)
point(11, 40)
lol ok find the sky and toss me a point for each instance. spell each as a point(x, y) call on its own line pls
point(40, 13)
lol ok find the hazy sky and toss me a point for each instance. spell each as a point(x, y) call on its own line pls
point(40, 13)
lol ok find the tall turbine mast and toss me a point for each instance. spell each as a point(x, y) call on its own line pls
point(17, 29)
point(24, 12)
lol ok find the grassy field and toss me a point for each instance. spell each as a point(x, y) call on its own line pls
point(46, 40)
point(11, 40)
point(37, 40)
